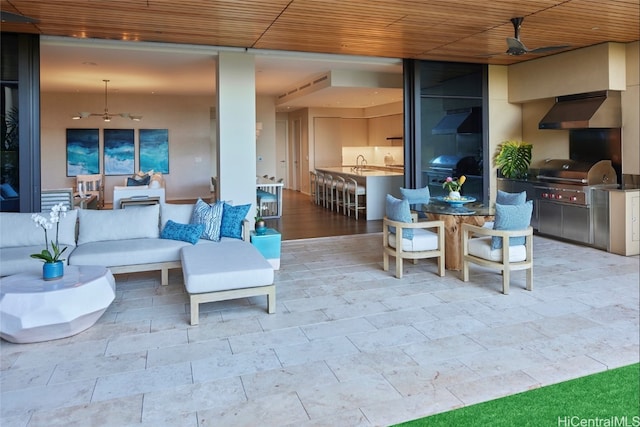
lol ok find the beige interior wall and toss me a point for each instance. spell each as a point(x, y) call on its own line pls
point(600, 67)
point(186, 118)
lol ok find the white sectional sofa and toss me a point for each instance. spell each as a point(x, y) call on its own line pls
point(125, 240)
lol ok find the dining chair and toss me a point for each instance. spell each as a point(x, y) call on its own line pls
point(507, 247)
point(91, 184)
point(403, 238)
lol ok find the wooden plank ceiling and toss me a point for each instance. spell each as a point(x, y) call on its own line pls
point(452, 30)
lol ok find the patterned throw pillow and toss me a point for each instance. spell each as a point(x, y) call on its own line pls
point(504, 198)
point(185, 232)
point(210, 216)
point(232, 217)
point(511, 217)
point(398, 210)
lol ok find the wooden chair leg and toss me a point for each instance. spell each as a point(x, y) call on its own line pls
point(530, 279)
point(398, 267)
point(385, 261)
point(506, 276)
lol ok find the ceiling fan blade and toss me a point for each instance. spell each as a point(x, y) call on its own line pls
point(515, 47)
point(546, 49)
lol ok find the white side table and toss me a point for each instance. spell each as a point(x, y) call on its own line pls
point(33, 310)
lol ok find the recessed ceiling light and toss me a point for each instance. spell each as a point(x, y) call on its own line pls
point(93, 64)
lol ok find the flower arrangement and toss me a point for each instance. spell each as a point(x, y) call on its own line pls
point(258, 216)
point(451, 184)
point(58, 211)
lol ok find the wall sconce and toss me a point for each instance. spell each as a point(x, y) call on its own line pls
point(258, 129)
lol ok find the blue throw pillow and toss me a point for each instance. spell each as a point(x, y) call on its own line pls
point(232, 217)
point(504, 198)
point(7, 191)
point(131, 182)
point(398, 210)
point(511, 217)
point(185, 232)
point(415, 196)
point(210, 216)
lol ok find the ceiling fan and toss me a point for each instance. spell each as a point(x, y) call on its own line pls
point(516, 47)
point(106, 116)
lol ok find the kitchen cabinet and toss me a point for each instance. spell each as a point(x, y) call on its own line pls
point(624, 214)
point(381, 128)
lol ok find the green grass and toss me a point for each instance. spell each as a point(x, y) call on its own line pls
point(602, 399)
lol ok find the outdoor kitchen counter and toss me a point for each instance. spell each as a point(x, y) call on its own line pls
point(378, 184)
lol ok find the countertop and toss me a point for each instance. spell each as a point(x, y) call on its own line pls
point(365, 172)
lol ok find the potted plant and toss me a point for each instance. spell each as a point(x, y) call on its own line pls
point(513, 159)
point(453, 186)
point(53, 267)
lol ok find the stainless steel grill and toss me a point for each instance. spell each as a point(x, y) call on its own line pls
point(569, 205)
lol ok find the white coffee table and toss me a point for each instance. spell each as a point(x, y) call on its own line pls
point(33, 310)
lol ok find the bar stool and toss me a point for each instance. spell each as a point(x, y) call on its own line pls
point(328, 191)
point(340, 188)
point(320, 188)
point(313, 186)
point(354, 192)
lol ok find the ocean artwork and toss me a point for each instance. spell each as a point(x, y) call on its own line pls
point(154, 150)
point(119, 152)
point(83, 152)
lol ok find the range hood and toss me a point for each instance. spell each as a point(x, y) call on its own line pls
point(587, 110)
point(465, 120)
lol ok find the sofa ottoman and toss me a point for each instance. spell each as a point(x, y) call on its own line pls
point(218, 272)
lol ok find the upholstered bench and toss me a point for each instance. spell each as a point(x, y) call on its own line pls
point(220, 272)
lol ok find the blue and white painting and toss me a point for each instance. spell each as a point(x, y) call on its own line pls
point(119, 152)
point(154, 150)
point(83, 152)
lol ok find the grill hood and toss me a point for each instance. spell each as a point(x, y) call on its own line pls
point(466, 120)
point(588, 110)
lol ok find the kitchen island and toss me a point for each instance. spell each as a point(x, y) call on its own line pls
point(378, 181)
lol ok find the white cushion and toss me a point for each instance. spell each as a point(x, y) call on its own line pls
point(216, 267)
point(17, 260)
point(18, 229)
point(103, 225)
point(423, 240)
point(481, 247)
point(176, 213)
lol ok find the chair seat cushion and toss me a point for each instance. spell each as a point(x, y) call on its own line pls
point(423, 240)
point(481, 247)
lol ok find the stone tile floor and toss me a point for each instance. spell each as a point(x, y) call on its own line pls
point(350, 345)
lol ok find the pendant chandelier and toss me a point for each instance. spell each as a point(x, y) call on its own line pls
point(106, 116)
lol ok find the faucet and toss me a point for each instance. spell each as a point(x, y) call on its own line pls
point(364, 161)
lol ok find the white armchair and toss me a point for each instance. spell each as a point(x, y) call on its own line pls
point(427, 242)
point(477, 249)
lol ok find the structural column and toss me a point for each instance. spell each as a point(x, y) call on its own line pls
point(236, 128)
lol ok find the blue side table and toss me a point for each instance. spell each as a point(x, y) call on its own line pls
point(268, 243)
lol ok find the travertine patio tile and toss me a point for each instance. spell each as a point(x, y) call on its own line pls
point(141, 381)
point(187, 352)
point(287, 379)
point(455, 325)
point(396, 411)
point(267, 339)
point(232, 365)
point(315, 350)
point(324, 400)
point(351, 364)
point(387, 337)
point(274, 410)
point(116, 412)
point(184, 401)
point(493, 387)
point(337, 328)
point(356, 365)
